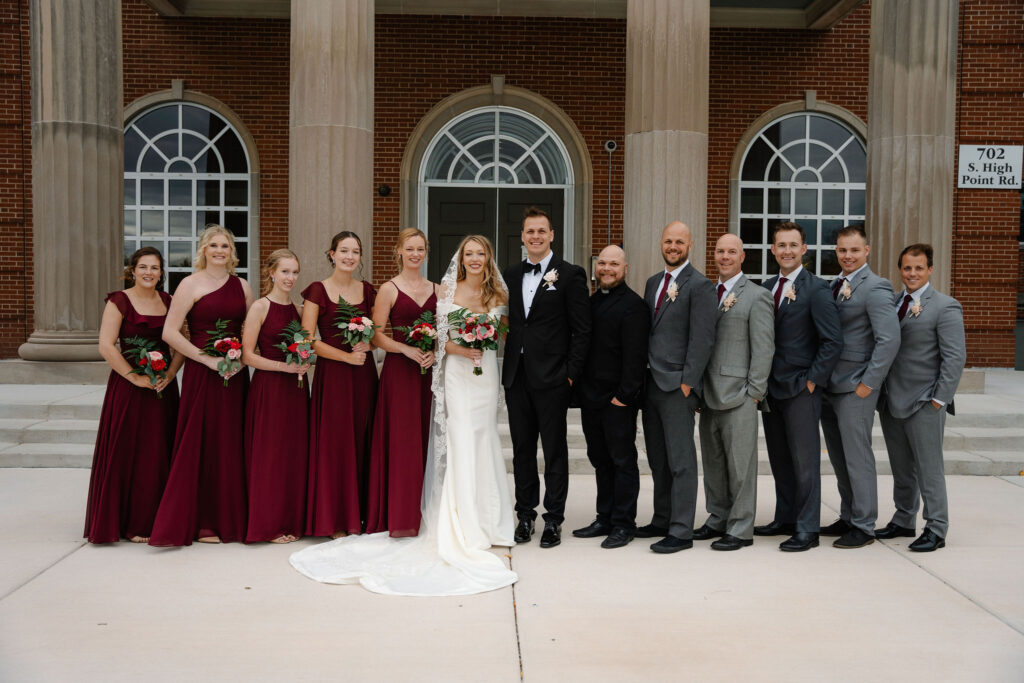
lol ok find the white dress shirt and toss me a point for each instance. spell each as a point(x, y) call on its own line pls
point(531, 281)
point(675, 274)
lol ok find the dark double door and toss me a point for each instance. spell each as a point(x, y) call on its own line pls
point(495, 212)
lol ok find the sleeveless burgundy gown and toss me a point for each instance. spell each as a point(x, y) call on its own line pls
point(276, 432)
point(133, 443)
point(340, 422)
point(205, 494)
point(401, 428)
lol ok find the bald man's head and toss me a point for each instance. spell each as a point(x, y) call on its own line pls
point(675, 244)
point(729, 256)
point(611, 267)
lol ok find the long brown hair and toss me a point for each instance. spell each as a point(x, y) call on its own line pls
point(267, 271)
point(490, 289)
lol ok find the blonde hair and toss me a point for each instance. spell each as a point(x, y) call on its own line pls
point(404, 237)
point(270, 265)
point(490, 290)
point(204, 241)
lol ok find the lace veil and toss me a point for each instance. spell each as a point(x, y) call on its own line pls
point(437, 445)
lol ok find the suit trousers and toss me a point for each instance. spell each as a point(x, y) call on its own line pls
point(846, 420)
point(794, 452)
point(918, 470)
point(668, 419)
point(611, 448)
point(728, 449)
point(532, 413)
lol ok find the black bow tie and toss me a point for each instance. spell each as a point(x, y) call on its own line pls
point(531, 267)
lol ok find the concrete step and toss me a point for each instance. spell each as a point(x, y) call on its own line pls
point(48, 431)
point(77, 455)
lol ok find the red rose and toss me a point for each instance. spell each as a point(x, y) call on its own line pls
point(143, 361)
point(292, 347)
point(159, 365)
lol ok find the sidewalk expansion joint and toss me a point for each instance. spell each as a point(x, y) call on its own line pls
point(515, 616)
point(42, 571)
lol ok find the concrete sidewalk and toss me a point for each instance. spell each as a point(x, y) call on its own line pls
point(74, 612)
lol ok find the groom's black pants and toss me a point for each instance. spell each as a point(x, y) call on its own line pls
point(532, 413)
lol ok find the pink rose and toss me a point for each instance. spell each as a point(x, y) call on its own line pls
point(235, 354)
point(352, 326)
point(155, 355)
point(303, 354)
point(468, 337)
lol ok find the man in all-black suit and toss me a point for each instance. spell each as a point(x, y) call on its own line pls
point(682, 307)
point(546, 347)
point(808, 341)
point(608, 393)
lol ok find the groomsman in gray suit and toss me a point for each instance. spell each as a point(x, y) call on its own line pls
point(682, 305)
point(808, 340)
point(917, 395)
point(735, 381)
point(871, 339)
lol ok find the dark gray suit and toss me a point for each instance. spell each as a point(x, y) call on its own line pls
point(871, 339)
point(808, 340)
point(736, 377)
point(682, 335)
point(928, 366)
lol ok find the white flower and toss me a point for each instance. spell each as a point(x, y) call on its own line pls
point(915, 310)
point(672, 291)
point(729, 301)
point(845, 292)
point(550, 278)
point(791, 294)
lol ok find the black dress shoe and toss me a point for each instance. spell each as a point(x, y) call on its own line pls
point(854, 538)
point(593, 530)
point(927, 542)
point(705, 533)
point(836, 528)
point(524, 531)
point(671, 544)
point(728, 542)
point(650, 531)
point(552, 535)
point(799, 542)
point(893, 530)
point(775, 529)
point(619, 537)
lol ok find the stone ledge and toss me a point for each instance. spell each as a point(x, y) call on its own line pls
point(17, 371)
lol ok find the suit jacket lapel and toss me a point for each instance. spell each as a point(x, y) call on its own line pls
point(680, 280)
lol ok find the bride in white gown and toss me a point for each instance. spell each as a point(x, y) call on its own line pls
point(466, 505)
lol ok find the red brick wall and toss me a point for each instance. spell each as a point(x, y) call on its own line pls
point(15, 179)
point(986, 256)
point(579, 64)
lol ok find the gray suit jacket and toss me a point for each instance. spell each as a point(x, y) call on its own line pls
point(683, 332)
point(871, 334)
point(744, 343)
point(931, 357)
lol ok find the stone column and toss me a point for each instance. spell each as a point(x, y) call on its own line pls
point(77, 173)
point(330, 185)
point(667, 71)
point(911, 112)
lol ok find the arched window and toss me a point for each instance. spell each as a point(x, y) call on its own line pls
point(184, 168)
point(804, 167)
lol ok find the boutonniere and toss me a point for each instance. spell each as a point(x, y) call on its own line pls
point(791, 294)
point(729, 301)
point(915, 310)
point(672, 291)
point(550, 278)
point(845, 292)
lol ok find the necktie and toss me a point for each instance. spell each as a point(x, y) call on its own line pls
point(721, 291)
point(903, 307)
point(836, 287)
point(778, 291)
point(531, 267)
point(664, 291)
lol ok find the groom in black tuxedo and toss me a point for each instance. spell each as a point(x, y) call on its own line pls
point(546, 348)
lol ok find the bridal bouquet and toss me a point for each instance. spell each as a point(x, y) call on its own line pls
point(355, 327)
point(146, 360)
point(476, 331)
point(422, 334)
point(297, 346)
point(227, 348)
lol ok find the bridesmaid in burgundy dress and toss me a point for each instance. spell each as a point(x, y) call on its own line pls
point(205, 497)
point(401, 425)
point(344, 392)
point(277, 411)
point(136, 432)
